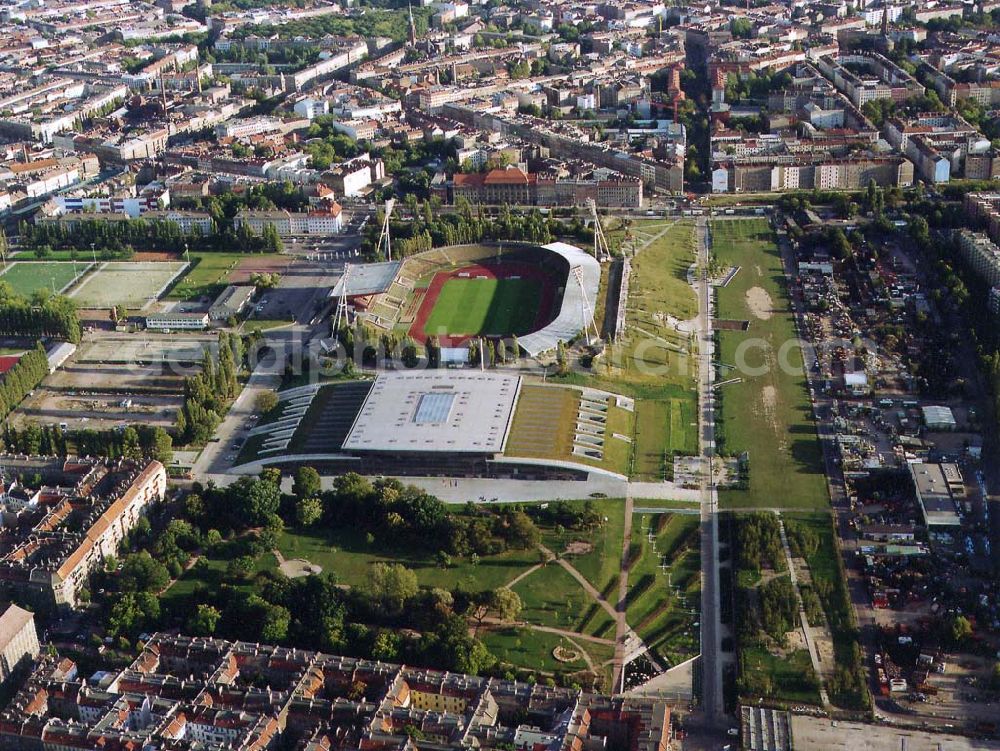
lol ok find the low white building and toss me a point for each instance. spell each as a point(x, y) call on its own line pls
point(177, 321)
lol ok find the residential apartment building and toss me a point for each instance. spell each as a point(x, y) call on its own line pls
point(984, 211)
point(881, 78)
point(806, 172)
point(981, 254)
point(76, 526)
point(288, 223)
point(18, 640)
point(188, 693)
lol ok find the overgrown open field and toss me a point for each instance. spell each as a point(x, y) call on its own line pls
point(767, 413)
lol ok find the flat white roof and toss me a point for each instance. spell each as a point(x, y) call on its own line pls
point(436, 410)
point(367, 279)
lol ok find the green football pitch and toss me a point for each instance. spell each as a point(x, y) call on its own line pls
point(26, 277)
point(492, 307)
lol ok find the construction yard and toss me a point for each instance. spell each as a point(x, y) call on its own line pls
point(115, 379)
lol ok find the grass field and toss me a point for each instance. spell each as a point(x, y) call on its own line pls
point(552, 597)
point(663, 427)
point(132, 284)
point(653, 362)
point(492, 307)
point(544, 426)
point(662, 617)
point(792, 676)
point(347, 554)
point(767, 414)
point(26, 277)
point(659, 274)
point(211, 272)
point(522, 647)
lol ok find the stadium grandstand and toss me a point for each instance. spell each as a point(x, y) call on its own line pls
point(560, 280)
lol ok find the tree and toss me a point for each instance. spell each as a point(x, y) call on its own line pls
point(204, 620)
point(959, 629)
point(143, 573)
point(308, 511)
point(307, 483)
point(265, 402)
point(252, 501)
point(522, 532)
point(162, 448)
point(507, 604)
point(274, 624)
point(390, 585)
point(130, 444)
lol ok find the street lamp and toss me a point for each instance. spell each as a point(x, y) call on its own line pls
point(93, 252)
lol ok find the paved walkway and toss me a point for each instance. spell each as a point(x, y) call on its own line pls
point(712, 658)
point(621, 622)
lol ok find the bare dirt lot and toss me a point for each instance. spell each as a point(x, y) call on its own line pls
point(760, 303)
point(115, 379)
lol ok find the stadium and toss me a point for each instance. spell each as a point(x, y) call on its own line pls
point(539, 294)
point(456, 422)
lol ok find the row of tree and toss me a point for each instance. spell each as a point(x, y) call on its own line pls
point(27, 373)
point(120, 238)
point(40, 315)
point(133, 442)
point(429, 230)
point(207, 394)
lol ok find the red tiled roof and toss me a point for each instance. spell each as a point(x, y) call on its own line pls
point(510, 176)
point(7, 362)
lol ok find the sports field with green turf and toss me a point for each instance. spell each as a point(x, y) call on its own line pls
point(28, 276)
point(492, 307)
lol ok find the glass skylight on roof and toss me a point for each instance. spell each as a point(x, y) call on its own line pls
point(433, 408)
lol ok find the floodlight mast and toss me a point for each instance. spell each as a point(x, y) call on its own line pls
point(586, 308)
point(384, 239)
point(602, 251)
point(342, 314)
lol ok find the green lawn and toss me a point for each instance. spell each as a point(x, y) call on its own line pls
point(26, 276)
point(532, 650)
point(663, 427)
point(661, 618)
point(211, 576)
point(600, 566)
point(347, 554)
point(209, 274)
point(791, 677)
point(492, 307)
point(768, 414)
point(552, 597)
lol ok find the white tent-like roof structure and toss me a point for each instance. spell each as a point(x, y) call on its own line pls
point(576, 309)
